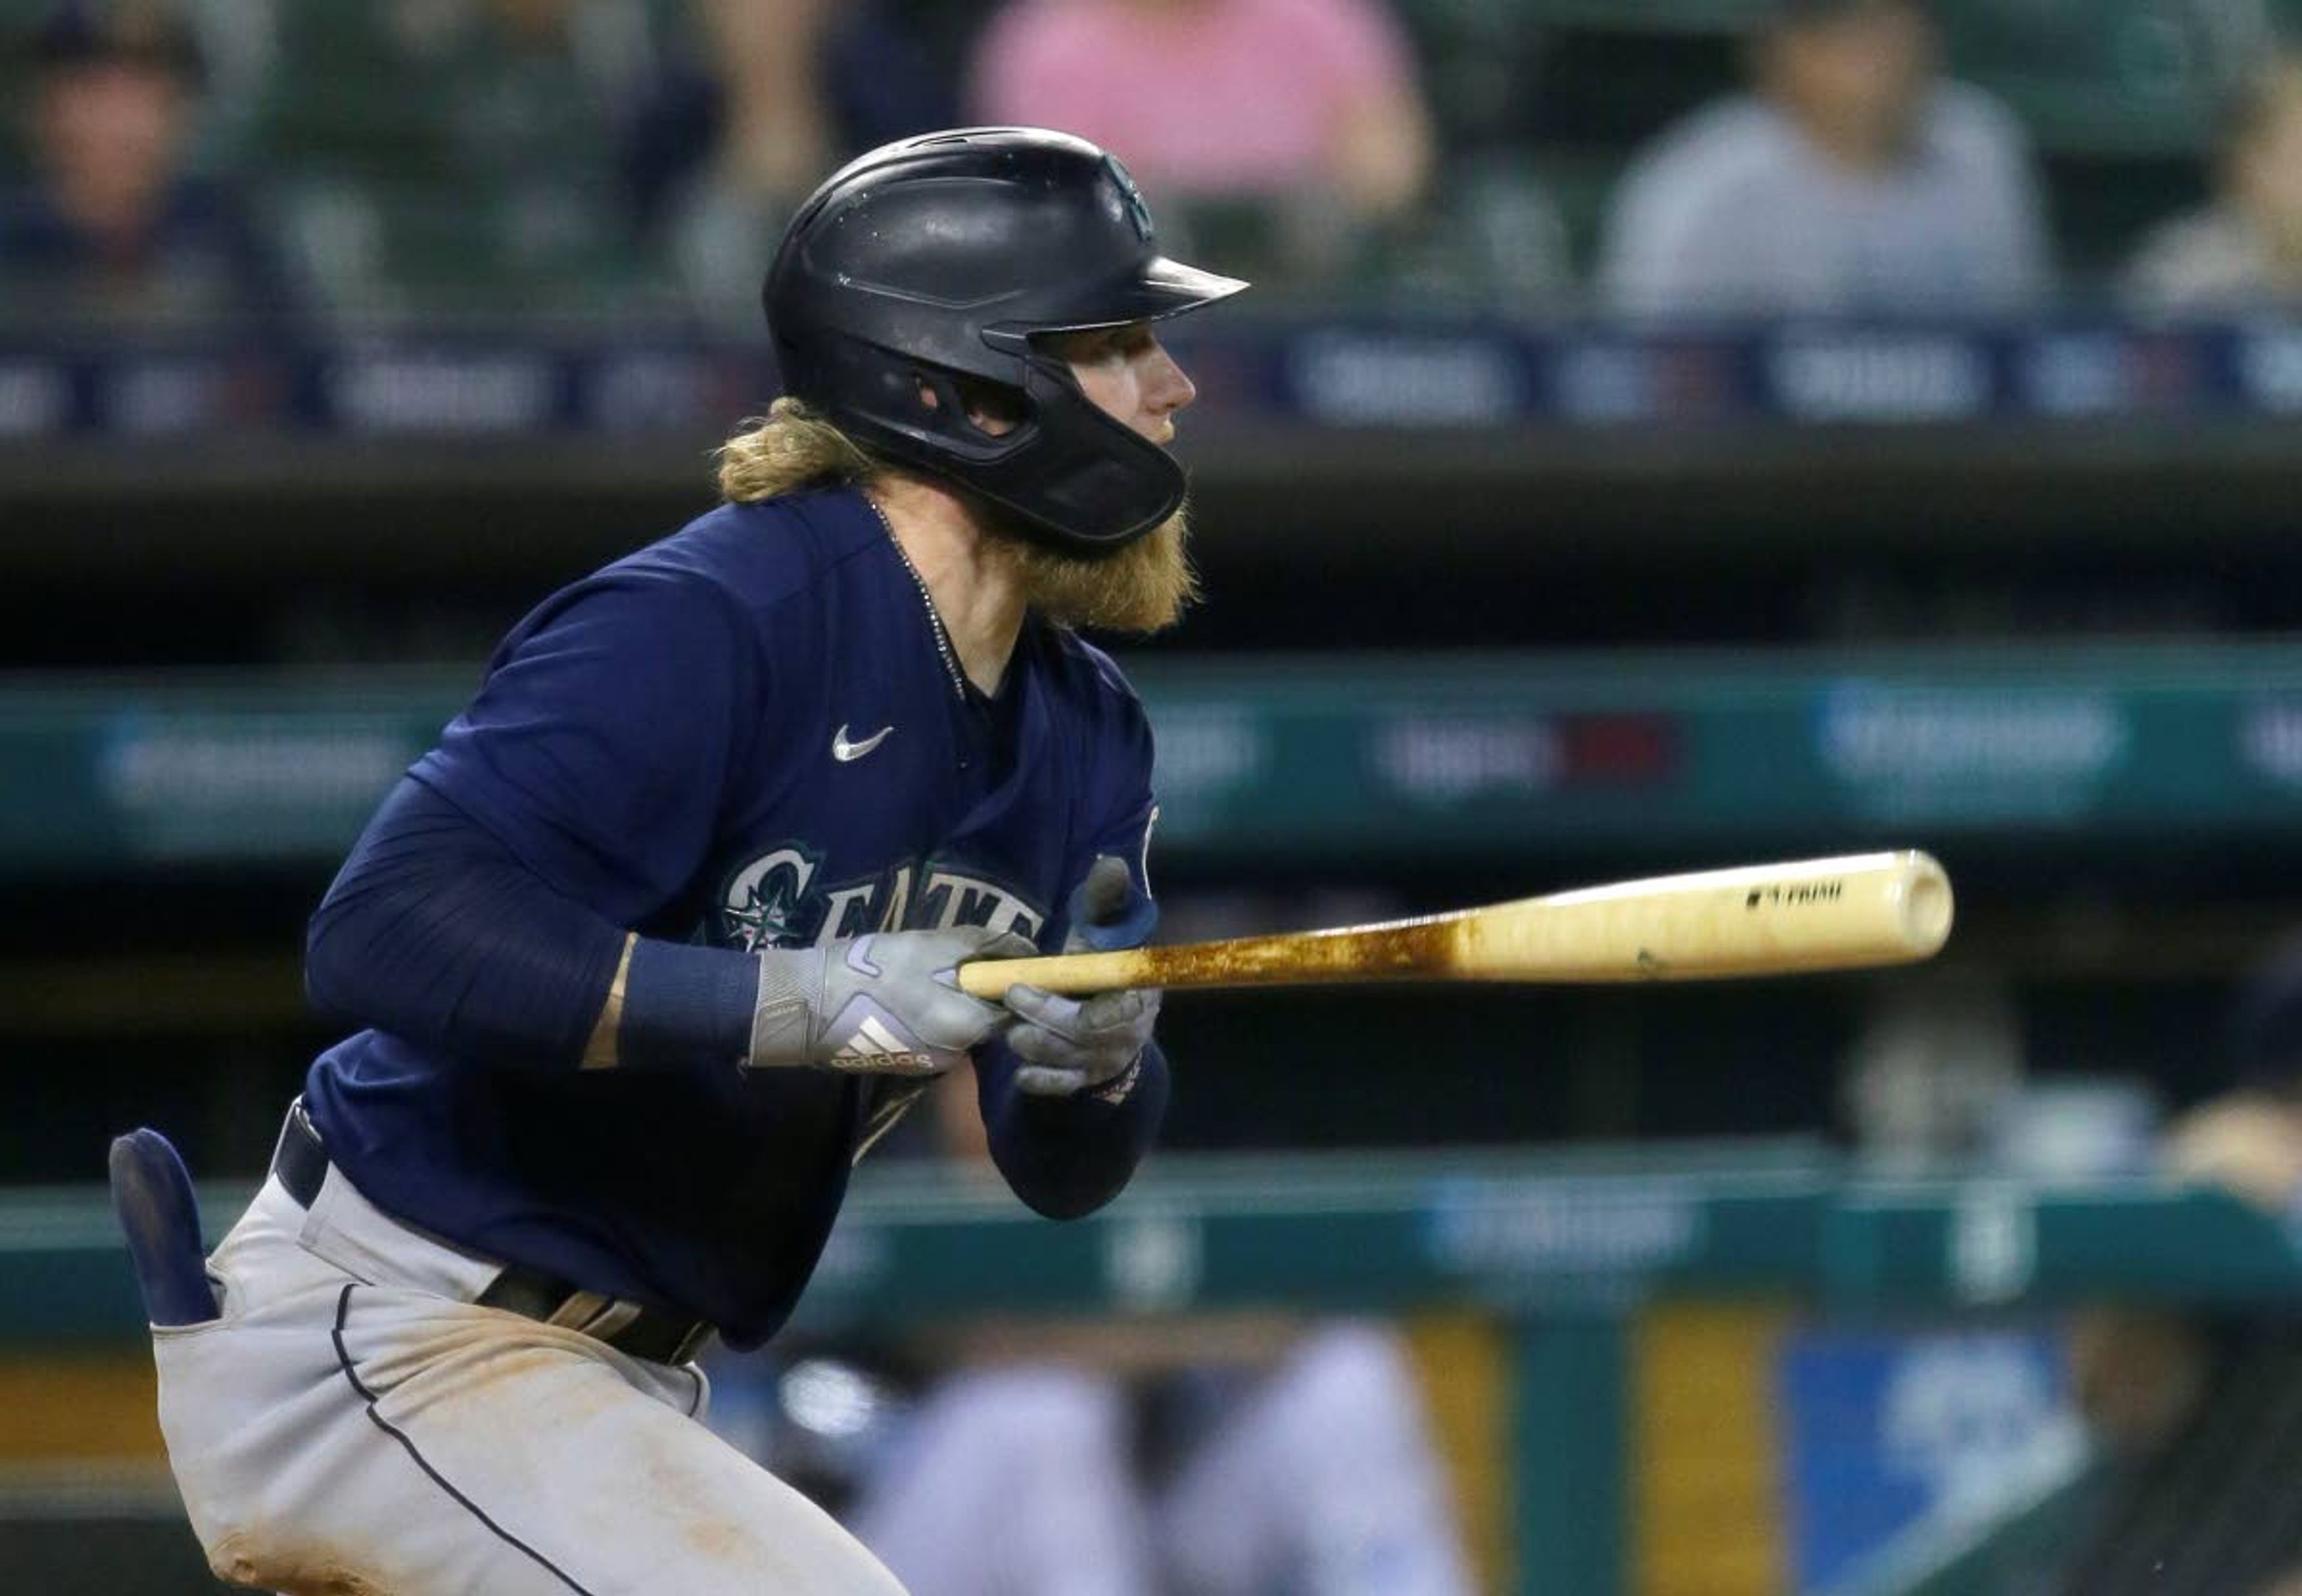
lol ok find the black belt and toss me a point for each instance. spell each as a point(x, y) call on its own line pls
point(300, 1162)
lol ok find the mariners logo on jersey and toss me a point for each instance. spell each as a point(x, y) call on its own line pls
point(774, 901)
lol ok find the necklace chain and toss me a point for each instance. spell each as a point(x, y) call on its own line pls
point(935, 619)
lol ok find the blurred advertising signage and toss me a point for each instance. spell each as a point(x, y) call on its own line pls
point(158, 395)
point(1350, 378)
point(1209, 755)
point(1591, 1227)
point(1450, 759)
point(420, 390)
point(1898, 1448)
point(639, 390)
point(255, 784)
point(2270, 740)
point(1861, 375)
point(1982, 753)
point(514, 389)
point(1605, 381)
point(1468, 372)
point(2070, 375)
point(2268, 362)
point(35, 397)
point(144, 394)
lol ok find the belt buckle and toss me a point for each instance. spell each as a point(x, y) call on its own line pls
point(606, 1319)
point(590, 1313)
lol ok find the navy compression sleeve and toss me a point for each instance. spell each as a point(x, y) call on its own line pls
point(1068, 1157)
point(435, 932)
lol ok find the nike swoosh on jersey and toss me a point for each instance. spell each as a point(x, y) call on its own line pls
point(843, 751)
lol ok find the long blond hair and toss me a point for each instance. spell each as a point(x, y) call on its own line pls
point(791, 448)
point(1142, 588)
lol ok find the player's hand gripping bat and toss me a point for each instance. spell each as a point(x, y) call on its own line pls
point(1813, 914)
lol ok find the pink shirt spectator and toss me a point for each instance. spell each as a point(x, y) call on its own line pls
point(1196, 96)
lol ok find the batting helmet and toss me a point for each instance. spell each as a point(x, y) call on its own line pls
point(936, 261)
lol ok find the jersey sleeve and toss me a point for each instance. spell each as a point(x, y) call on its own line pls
point(599, 749)
point(1068, 1157)
point(1120, 807)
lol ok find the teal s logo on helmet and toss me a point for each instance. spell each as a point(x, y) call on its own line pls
point(1139, 214)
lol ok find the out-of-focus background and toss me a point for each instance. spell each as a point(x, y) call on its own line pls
point(1665, 433)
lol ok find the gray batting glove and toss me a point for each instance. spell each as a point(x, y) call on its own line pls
point(883, 1004)
point(1068, 1045)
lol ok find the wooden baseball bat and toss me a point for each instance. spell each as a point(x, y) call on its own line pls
point(1848, 914)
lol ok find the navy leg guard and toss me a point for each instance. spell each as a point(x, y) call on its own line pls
point(152, 1194)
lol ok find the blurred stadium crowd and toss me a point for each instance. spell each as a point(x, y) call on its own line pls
point(329, 164)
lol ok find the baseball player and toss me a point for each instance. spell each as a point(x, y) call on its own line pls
point(660, 936)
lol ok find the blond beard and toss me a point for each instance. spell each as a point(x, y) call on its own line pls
point(1141, 588)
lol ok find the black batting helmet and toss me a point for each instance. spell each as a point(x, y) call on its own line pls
point(937, 260)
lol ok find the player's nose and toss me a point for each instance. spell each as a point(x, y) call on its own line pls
point(1166, 388)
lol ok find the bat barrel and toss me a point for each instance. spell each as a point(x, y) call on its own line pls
point(1851, 912)
point(1843, 914)
point(1928, 906)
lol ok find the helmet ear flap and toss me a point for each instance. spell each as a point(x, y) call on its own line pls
point(1064, 466)
point(1088, 469)
point(906, 409)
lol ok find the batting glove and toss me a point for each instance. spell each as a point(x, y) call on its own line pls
point(1069, 1046)
point(881, 1004)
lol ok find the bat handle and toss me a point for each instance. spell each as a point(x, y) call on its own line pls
point(1071, 974)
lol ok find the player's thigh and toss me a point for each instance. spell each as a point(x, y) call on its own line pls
point(512, 1458)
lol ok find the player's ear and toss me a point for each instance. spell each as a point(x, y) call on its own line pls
point(988, 410)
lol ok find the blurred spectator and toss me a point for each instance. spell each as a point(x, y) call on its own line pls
point(114, 227)
point(779, 93)
point(2246, 246)
point(1228, 1456)
point(1290, 127)
point(1854, 180)
point(2202, 1414)
point(1934, 1065)
point(447, 155)
point(1300, 1467)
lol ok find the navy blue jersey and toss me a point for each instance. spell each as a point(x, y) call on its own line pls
point(744, 734)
